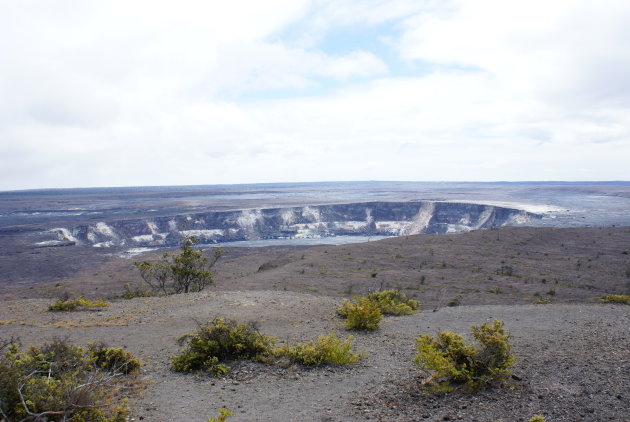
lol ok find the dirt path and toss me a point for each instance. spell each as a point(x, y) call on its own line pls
point(573, 360)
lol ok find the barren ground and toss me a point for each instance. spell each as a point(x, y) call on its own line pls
point(573, 360)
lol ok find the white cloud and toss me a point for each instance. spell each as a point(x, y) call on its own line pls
point(131, 93)
point(566, 50)
point(256, 67)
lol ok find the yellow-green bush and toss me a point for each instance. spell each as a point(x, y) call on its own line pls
point(113, 359)
point(327, 350)
point(389, 302)
point(75, 304)
point(224, 415)
point(58, 382)
point(537, 418)
point(366, 312)
point(452, 361)
point(221, 341)
point(617, 299)
point(212, 346)
point(393, 302)
point(543, 301)
point(363, 314)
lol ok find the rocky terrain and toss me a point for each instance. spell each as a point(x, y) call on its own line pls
point(572, 350)
point(572, 360)
point(498, 266)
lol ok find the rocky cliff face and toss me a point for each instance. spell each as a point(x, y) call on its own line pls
point(367, 218)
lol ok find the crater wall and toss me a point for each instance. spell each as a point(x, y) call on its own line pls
point(364, 218)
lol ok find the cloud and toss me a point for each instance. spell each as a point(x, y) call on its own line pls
point(565, 51)
point(149, 93)
point(260, 67)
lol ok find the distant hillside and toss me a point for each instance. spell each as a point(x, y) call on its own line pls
point(505, 265)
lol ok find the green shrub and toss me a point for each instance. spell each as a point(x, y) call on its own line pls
point(363, 314)
point(130, 293)
point(367, 311)
point(617, 299)
point(393, 302)
point(456, 301)
point(58, 382)
point(220, 341)
point(188, 271)
point(79, 303)
point(389, 302)
point(113, 359)
point(327, 350)
point(537, 418)
point(345, 307)
point(543, 301)
point(507, 270)
point(452, 361)
point(224, 415)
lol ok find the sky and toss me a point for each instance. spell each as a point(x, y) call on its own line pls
point(136, 93)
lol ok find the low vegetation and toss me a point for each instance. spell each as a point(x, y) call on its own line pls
point(130, 293)
point(366, 312)
point(475, 366)
point(393, 302)
point(61, 382)
point(389, 302)
point(80, 303)
point(212, 346)
point(625, 299)
point(222, 340)
point(543, 301)
point(327, 350)
point(113, 358)
point(224, 415)
point(456, 301)
point(362, 315)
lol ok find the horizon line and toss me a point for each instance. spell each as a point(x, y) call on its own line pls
point(124, 187)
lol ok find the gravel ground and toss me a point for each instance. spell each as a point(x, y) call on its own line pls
point(573, 360)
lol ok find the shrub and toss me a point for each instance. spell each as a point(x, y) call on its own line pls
point(220, 341)
point(58, 382)
point(113, 359)
point(507, 270)
point(345, 307)
point(79, 303)
point(366, 312)
point(225, 340)
point(361, 315)
point(393, 302)
point(136, 292)
point(327, 350)
point(224, 415)
point(455, 362)
point(616, 299)
point(456, 301)
point(537, 418)
point(188, 271)
point(543, 301)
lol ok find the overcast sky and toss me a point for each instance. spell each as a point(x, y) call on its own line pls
point(127, 93)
